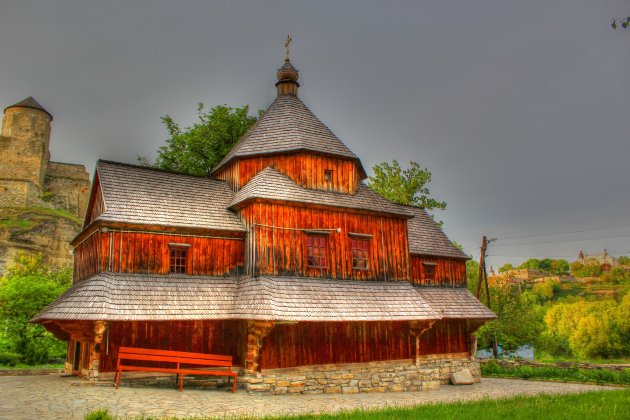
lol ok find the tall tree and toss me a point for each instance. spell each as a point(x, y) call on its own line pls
point(197, 149)
point(25, 290)
point(404, 186)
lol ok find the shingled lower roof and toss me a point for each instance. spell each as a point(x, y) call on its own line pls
point(426, 237)
point(134, 194)
point(128, 297)
point(269, 184)
point(306, 299)
point(455, 303)
point(135, 297)
point(287, 126)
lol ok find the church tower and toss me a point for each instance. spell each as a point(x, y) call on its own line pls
point(24, 153)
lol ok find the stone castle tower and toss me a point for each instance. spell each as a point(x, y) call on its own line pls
point(41, 202)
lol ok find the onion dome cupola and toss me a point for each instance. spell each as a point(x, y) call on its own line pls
point(287, 75)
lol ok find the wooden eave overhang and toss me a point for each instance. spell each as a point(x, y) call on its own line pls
point(300, 204)
point(101, 225)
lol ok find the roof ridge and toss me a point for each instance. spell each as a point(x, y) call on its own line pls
point(152, 168)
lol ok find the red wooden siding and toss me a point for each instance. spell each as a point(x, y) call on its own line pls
point(277, 242)
point(313, 343)
point(449, 272)
point(139, 252)
point(211, 337)
point(306, 170)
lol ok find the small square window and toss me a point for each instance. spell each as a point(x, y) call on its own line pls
point(360, 253)
point(178, 260)
point(328, 174)
point(316, 251)
point(429, 274)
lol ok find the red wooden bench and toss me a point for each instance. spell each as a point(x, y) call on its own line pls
point(185, 363)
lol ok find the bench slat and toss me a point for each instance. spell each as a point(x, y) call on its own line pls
point(171, 359)
point(136, 350)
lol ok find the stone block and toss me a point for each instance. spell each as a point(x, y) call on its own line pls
point(350, 389)
point(430, 385)
point(258, 387)
point(334, 389)
point(295, 389)
point(463, 377)
point(395, 388)
point(281, 390)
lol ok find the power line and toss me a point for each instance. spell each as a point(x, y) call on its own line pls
point(563, 241)
point(561, 233)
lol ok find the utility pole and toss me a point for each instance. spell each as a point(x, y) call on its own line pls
point(483, 275)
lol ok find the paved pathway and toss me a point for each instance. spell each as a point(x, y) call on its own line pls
point(58, 397)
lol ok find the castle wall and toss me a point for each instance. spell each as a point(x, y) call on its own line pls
point(33, 190)
point(67, 187)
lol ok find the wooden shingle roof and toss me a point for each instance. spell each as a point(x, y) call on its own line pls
point(305, 299)
point(269, 184)
point(288, 126)
point(126, 297)
point(426, 237)
point(455, 303)
point(134, 194)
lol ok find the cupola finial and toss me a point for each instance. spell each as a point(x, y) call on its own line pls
point(287, 74)
point(286, 46)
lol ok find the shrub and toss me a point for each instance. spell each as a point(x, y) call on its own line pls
point(99, 414)
point(9, 359)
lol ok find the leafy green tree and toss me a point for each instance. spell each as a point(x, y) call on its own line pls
point(591, 329)
point(519, 320)
point(506, 267)
point(532, 264)
point(623, 260)
point(589, 269)
point(560, 267)
point(544, 290)
point(404, 186)
point(25, 290)
point(197, 149)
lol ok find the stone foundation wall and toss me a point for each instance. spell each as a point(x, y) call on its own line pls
point(392, 376)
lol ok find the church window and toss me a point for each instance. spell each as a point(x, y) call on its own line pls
point(360, 253)
point(316, 251)
point(328, 175)
point(429, 274)
point(178, 258)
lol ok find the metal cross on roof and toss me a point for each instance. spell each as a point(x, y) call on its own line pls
point(286, 45)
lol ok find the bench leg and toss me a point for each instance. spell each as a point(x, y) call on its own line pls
point(118, 375)
point(181, 381)
point(233, 384)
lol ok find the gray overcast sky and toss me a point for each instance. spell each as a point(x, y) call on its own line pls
point(520, 109)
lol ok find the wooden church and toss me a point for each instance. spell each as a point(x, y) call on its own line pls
point(281, 258)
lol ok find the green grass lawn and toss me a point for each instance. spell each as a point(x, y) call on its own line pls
point(22, 366)
point(588, 405)
point(605, 376)
point(591, 405)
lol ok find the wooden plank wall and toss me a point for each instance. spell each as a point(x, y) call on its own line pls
point(306, 170)
point(277, 251)
point(210, 337)
point(139, 252)
point(86, 258)
point(313, 343)
point(449, 272)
